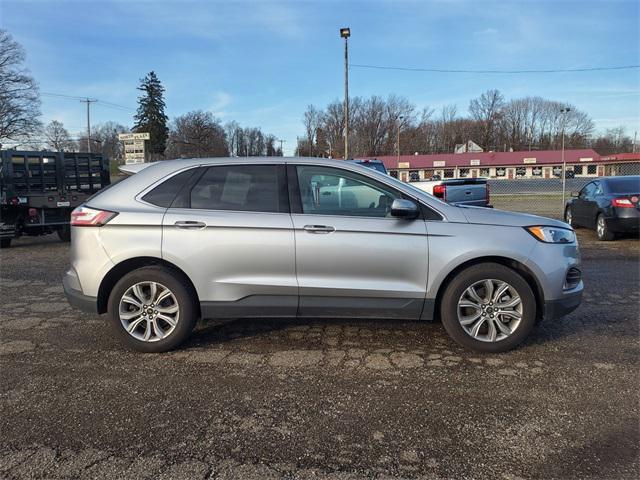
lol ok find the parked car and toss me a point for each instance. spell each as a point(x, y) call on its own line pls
point(458, 191)
point(375, 164)
point(296, 237)
point(609, 205)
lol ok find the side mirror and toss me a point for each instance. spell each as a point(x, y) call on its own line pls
point(401, 208)
point(575, 194)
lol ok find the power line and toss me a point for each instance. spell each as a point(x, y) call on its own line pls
point(104, 103)
point(442, 70)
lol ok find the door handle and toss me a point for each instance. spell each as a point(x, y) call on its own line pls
point(319, 228)
point(190, 224)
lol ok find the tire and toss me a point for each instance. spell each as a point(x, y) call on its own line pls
point(64, 233)
point(474, 278)
point(121, 312)
point(568, 218)
point(603, 232)
point(5, 242)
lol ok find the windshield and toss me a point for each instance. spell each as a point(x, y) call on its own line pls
point(624, 185)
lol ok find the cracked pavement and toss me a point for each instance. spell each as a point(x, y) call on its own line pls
point(340, 399)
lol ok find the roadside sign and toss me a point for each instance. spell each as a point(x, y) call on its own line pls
point(134, 136)
point(134, 147)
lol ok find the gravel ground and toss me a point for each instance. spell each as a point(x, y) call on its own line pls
point(268, 399)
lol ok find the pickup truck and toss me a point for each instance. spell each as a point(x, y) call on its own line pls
point(458, 191)
point(38, 190)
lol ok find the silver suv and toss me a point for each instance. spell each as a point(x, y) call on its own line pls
point(297, 237)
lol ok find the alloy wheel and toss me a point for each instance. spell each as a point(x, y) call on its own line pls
point(149, 311)
point(600, 227)
point(490, 310)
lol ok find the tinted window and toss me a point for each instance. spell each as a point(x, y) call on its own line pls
point(624, 185)
point(248, 188)
point(331, 191)
point(588, 190)
point(163, 194)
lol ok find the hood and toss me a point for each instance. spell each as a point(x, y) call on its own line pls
point(491, 216)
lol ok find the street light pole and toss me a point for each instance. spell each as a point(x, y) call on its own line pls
point(346, 33)
point(400, 118)
point(564, 112)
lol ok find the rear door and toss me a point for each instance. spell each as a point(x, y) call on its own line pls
point(352, 258)
point(231, 232)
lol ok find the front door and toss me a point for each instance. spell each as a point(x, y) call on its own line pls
point(580, 205)
point(230, 231)
point(352, 257)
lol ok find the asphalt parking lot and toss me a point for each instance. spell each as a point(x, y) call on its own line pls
point(317, 399)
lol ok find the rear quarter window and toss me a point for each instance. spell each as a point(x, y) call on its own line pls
point(164, 194)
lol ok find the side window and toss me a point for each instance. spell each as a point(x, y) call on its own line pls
point(597, 189)
point(246, 188)
point(331, 191)
point(587, 191)
point(163, 194)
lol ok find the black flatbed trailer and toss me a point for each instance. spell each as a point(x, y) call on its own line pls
point(39, 190)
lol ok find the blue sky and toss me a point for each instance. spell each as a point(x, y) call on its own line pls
point(260, 63)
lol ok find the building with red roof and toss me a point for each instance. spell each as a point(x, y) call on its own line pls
point(510, 165)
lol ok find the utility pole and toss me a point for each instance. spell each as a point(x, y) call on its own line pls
point(635, 137)
point(281, 141)
point(346, 33)
point(564, 112)
point(88, 101)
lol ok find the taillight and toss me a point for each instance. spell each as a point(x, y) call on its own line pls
point(90, 217)
point(622, 203)
point(440, 191)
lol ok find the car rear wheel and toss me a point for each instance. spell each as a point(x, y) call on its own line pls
point(5, 242)
point(488, 308)
point(602, 230)
point(151, 310)
point(64, 233)
point(568, 217)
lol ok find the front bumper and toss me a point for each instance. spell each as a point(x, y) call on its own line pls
point(74, 294)
point(554, 309)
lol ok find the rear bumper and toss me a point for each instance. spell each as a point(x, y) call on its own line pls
point(75, 297)
point(630, 223)
point(554, 309)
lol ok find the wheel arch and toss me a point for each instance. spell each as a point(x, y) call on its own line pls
point(131, 264)
point(519, 267)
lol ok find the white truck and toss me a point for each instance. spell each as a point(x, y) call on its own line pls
point(458, 191)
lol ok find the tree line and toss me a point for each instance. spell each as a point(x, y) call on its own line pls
point(385, 126)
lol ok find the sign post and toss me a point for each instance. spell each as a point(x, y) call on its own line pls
point(134, 147)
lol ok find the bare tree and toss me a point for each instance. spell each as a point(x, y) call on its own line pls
point(196, 134)
point(486, 110)
point(58, 138)
point(19, 99)
point(311, 121)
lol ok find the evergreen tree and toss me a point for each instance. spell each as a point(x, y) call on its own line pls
point(150, 116)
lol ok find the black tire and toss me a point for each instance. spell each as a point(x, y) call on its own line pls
point(5, 242)
point(603, 232)
point(64, 233)
point(467, 278)
point(174, 281)
point(568, 218)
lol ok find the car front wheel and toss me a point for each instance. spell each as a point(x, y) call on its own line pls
point(151, 310)
point(568, 217)
point(488, 308)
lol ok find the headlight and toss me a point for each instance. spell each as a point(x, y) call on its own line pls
point(552, 234)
